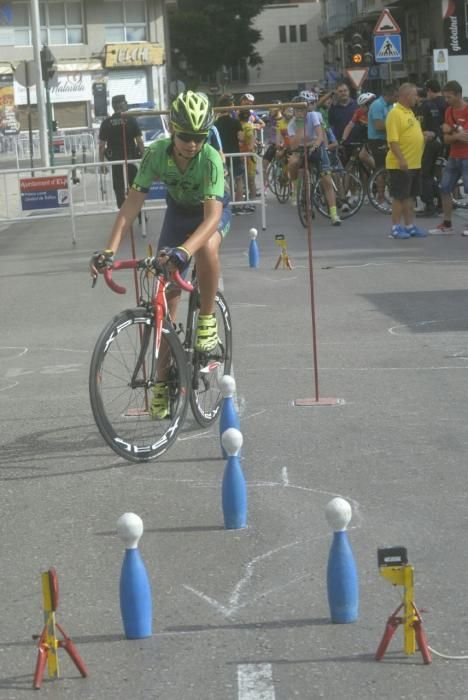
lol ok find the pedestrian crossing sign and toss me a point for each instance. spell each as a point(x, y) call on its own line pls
point(387, 48)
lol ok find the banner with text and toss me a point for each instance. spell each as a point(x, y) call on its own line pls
point(44, 192)
point(455, 32)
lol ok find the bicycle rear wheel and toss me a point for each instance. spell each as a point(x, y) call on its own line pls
point(209, 368)
point(122, 373)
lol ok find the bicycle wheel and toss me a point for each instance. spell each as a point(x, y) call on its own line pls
point(208, 368)
point(271, 177)
point(349, 194)
point(282, 185)
point(301, 199)
point(379, 191)
point(122, 373)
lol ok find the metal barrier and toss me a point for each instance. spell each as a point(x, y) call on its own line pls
point(68, 191)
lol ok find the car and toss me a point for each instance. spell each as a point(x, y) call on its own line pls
point(153, 126)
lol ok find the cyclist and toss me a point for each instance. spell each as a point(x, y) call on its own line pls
point(316, 141)
point(356, 129)
point(197, 215)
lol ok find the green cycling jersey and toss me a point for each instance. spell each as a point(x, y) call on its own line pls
point(203, 179)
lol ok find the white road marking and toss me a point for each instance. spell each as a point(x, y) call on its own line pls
point(284, 476)
point(393, 330)
point(255, 682)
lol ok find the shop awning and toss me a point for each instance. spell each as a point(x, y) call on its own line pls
point(78, 66)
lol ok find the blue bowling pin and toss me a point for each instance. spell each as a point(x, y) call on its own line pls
point(342, 578)
point(228, 417)
point(234, 490)
point(135, 587)
point(254, 253)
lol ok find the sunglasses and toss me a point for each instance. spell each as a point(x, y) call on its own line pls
point(186, 137)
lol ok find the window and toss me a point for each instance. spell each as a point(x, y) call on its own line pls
point(292, 32)
point(282, 34)
point(61, 23)
point(303, 32)
point(125, 20)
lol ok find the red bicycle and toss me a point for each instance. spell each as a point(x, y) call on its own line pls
point(141, 347)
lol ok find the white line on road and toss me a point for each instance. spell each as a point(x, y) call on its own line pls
point(255, 682)
point(284, 476)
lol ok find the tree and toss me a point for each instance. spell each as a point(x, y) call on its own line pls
point(215, 33)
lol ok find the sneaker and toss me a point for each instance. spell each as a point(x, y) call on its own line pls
point(206, 338)
point(465, 232)
point(159, 408)
point(416, 232)
point(237, 210)
point(335, 221)
point(399, 232)
point(249, 208)
point(345, 208)
point(441, 229)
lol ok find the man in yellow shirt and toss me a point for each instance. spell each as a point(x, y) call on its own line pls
point(406, 145)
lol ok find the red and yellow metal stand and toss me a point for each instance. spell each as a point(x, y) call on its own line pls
point(48, 642)
point(283, 259)
point(410, 619)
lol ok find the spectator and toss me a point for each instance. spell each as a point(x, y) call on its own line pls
point(248, 145)
point(406, 144)
point(230, 131)
point(432, 113)
point(455, 134)
point(113, 147)
point(342, 110)
point(377, 115)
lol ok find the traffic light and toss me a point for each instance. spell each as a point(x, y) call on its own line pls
point(48, 65)
point(357, 55)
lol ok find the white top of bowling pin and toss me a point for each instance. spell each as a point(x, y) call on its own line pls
point(253, 233)
point(338, 514)
point(232, 441)
point(130, 529)
point(227, 385)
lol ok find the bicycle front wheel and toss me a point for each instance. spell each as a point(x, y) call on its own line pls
point(122, 375)
point(209, 368)
point(302, 200)
point(349, 194)
point(379, 191)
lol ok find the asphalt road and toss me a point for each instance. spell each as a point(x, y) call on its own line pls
point(243, 615)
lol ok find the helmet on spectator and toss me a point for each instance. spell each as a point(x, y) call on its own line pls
point(365, 98)
point(191, 112)
point(226, 100)
point(248, 97)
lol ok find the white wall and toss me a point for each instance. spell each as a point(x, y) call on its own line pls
point(286, 65)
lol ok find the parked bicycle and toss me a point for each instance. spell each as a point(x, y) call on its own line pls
point(379, 189)
point(140, 347)
point(277, 176)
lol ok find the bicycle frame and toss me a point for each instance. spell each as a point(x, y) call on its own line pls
point(160, 309)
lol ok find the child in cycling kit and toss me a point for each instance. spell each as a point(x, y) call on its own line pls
point(197, 215)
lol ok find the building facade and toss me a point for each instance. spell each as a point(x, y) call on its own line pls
point(425, 30)
point(101, 49)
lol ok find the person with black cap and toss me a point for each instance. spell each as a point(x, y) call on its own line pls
point(112, 145)
point(432, 117)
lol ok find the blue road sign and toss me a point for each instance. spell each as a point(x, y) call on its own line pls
point(387, 48)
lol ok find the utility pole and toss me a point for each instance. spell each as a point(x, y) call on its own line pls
point(41, 106)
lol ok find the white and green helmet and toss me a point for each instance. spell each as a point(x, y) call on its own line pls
point(191, 112)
